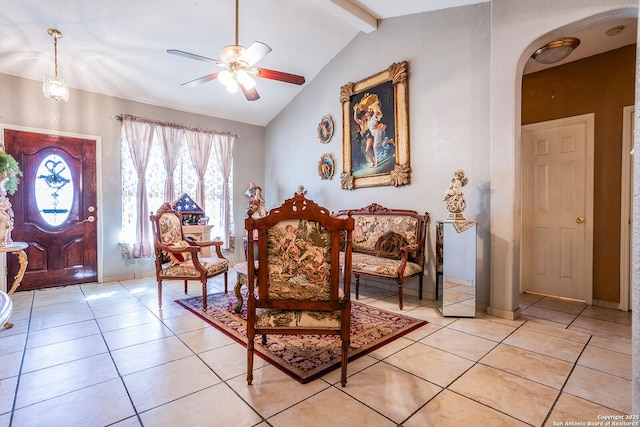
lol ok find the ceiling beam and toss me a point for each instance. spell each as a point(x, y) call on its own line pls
point(350, 13)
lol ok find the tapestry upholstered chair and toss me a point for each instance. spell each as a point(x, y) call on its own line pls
point(177, 258)
point(298, 286)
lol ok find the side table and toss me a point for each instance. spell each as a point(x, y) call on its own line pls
point(6, 305)
point(456, 242)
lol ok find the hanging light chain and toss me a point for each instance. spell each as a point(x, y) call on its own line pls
point(56, 35)
point(55, 56)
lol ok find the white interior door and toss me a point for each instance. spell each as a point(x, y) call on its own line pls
point(626, 207)
point(557, 205)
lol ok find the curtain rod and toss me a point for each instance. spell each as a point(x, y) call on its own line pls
point(137, 119)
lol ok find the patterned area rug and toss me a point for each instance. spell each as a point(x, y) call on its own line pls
point(306, 357)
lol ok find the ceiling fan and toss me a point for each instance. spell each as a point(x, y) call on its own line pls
point(237, 61)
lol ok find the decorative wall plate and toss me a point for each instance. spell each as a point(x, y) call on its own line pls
point(325, 129)
point(326, 166)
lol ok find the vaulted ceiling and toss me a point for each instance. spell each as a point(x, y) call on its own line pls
point(118, 47)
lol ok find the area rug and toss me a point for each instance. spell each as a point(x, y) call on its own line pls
point(306, 357)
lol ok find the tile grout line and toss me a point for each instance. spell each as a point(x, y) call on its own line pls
point(24, 352)
point(115, 365)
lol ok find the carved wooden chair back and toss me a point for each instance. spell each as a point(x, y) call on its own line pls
point(299, 278)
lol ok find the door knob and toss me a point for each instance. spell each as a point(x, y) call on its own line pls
point(579, 220)
point(90, 219)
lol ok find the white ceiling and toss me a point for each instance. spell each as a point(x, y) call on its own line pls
point(594, 40)
point(118, 47)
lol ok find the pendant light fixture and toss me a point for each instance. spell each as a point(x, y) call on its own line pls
point(51, 86)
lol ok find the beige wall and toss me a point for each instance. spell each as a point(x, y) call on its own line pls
point(602, 84)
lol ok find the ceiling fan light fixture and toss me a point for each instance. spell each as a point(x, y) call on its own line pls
point(245, 79)
point(231, 53)
point(232, 86)
point(52, 87)
point(224, 77)
point(556, 50)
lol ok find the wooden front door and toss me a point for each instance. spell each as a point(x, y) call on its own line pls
point(54, 208)
point(556, 214)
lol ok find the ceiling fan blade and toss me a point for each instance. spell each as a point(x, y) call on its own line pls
point(250, 94)
point(193, 56)
point(279, 75)
point(254, 53)
point(201, 80)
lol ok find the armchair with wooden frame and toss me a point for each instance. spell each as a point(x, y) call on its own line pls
point(178, 258)
point(298, 282)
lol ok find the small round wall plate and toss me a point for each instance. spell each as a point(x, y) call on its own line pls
point(326, 166)
point(325, 129)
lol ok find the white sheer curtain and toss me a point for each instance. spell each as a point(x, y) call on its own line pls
point(139, 137)
point(170, 139)
point(223, 147)
point(199, 144)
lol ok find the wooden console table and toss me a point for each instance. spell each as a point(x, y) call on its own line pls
point(16, 248)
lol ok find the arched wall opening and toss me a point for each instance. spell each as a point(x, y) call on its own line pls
point(511, 47)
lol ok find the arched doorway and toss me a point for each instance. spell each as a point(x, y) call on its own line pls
point(511, 46)
point(602, 85)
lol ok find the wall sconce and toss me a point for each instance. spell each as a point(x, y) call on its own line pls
point(51, 86)
point(556, 50)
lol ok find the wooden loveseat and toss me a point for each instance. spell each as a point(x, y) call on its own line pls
point(387, 244)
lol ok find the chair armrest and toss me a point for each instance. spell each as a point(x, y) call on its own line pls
point(218, 245)
point(192, 249)
point(410, 248)
point(204, 244)
point(405, 250)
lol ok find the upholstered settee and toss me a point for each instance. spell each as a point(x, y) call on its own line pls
point(388, 244)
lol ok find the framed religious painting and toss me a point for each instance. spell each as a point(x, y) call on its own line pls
point(375, 130)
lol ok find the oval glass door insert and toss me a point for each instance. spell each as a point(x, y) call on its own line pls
point(54, 190)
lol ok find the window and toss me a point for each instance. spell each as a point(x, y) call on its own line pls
point(185, 179)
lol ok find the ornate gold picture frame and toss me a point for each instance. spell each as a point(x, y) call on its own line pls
point(326, 166)
point(325, 129)
point(375, 130)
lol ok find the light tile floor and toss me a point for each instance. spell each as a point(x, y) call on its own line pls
point(104, 354)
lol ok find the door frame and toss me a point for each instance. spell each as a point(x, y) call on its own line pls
point(626, 204)
point(589, 121)
point(99, 227)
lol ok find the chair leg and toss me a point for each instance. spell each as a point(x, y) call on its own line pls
point(185, 287)
point(249, 360)
point(159, 293)
point(400, 294)
point(357, 286)
point(343, 362)
point(225, 282)
point(420, 287)
point(204, 293)
point(264, 339)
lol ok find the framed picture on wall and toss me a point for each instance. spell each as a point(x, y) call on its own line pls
point(325, 129)
point(375, 133)
point(326, 166)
